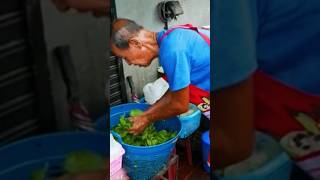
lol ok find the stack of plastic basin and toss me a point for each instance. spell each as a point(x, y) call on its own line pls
point(120, 175)
point(116, 153)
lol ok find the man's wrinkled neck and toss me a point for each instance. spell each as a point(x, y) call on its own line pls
point(150, 42)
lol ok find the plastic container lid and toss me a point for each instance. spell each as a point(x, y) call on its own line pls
point(116, 149)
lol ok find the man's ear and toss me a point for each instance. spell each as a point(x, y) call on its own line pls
point(135, 42)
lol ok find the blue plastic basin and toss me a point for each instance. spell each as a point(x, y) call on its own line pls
point(143, 163)
point(205, 142)
point(190, 123)
point(21, 158)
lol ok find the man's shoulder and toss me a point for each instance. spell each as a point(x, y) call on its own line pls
point(181, 34)
point(176, 41)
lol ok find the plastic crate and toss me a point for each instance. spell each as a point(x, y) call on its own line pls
point(116, 153)
point(120, 175)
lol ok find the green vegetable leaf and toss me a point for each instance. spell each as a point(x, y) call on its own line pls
point(149, 137)
point(39, 174)
point(83, 161)
point(135, 112)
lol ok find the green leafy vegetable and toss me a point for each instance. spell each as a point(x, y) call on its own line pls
point(149, 137)
point(135, 112)
point(83, 161)
point(39, 174)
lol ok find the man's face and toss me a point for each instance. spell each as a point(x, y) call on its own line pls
point(134, 55)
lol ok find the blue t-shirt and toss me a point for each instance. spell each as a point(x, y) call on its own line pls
point(280, 37)
point(185, 58)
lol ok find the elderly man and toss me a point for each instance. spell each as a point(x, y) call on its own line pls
point(184, 54)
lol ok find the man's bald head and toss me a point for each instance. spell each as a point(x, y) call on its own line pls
point(122, 31)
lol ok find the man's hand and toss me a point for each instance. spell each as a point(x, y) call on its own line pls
point(97, 7)
point(139, 124)
point(171, 104)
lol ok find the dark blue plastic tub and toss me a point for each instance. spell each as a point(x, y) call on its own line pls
point(205, 141)
point(101, 124)
point(20, 159)
point(143, 163)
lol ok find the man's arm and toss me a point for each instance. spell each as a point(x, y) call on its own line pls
point(171, 104)
point(232, 129)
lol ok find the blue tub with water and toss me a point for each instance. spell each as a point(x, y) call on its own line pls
point(190, 122)
point(21, 158)
point(142, 163)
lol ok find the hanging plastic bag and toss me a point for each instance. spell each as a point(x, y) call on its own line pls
point(155, 90)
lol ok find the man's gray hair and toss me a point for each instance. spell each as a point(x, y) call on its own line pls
point(120, 37)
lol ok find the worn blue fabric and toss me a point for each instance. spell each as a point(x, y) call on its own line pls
point(185, 58)
point(280, 37)
point(234, 28)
